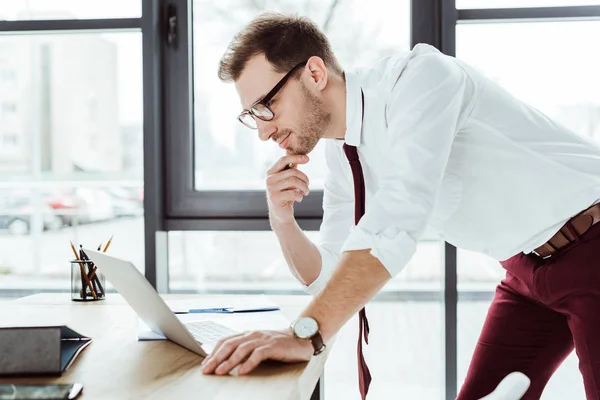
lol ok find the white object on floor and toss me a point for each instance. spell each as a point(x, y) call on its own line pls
point(512, 387)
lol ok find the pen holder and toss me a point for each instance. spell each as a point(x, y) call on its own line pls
point(87, 283)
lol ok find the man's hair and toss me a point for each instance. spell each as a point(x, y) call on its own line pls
point(284, 40)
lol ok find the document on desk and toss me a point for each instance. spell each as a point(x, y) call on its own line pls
point(243, 321)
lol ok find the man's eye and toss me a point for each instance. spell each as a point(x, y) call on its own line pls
point(270, 102)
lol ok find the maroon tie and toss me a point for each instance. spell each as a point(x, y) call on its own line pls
point(364, 375)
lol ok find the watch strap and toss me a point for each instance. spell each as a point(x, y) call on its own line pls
point(317, 342)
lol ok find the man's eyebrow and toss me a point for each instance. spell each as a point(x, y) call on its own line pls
point(256, 101)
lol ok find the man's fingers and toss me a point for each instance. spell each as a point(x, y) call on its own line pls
point(258, 355)
point(222, 352)
point(239, 355)
point(285, 161)
point(219, 345)
point(292, 182)
point(287, 196)
point(272, 180)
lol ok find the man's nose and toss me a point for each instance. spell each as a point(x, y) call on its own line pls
point(266, 129)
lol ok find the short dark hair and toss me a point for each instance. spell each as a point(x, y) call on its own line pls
point(284, 40)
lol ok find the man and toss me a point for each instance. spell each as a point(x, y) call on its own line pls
point(440, 146)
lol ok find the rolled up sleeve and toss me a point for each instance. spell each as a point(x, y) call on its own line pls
point(338, 216)
point(425, 110)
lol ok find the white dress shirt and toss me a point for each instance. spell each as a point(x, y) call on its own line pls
point(447, 150)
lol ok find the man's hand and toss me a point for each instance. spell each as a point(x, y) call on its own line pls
point(285, 185)
point(251, 348)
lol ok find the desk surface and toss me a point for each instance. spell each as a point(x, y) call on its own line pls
point(116, 365)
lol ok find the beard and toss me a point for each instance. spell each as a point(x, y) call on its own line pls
point(315, 122)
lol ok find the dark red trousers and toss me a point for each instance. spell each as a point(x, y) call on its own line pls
point(541, 310)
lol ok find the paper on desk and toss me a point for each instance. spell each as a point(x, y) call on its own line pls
point(237, 302)
point(270, 320)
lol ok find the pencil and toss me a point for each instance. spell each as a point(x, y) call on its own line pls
point(85, 275)
point(95, 278)
point(91, 272)
point(83, 293)
point(108, 243)
point(74, 251)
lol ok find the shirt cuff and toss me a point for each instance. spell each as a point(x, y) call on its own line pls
point(329, 261)
point(393, 248)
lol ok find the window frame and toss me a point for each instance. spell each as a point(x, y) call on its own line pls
point(171, 201)
point(186, 207)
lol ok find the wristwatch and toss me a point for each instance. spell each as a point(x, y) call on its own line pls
point(308, 328)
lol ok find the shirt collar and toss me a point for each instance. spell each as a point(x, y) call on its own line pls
point(353, 109)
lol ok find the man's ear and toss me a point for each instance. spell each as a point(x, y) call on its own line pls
point(318, 72)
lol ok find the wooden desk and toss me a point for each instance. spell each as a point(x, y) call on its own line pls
point(117, 366)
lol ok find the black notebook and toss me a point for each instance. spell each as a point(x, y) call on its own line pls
point(39, 350)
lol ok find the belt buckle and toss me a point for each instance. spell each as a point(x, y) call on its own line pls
point(540, 256)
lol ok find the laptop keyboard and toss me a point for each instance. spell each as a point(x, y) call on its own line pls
point(209, 332)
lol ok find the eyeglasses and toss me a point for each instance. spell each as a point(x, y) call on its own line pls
point(261, 109)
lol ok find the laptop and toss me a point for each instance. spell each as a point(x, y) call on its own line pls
point(197, 336)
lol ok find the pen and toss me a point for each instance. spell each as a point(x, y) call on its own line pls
point(226, 310)
point(210, 310)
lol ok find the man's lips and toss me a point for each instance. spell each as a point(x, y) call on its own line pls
point(284, 143)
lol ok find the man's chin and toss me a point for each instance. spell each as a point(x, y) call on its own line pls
point(291, 152)
point(300, 152)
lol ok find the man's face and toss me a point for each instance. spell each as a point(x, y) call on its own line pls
point(301, 116)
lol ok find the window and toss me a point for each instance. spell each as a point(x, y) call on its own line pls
point(10, 139)
point(8, 108)
point(463, 4)
point(8, 76)
point(564, 88)
point(229, 156)
point(78, 174)
point(525, 58)
point(405, 321)
point(68, 9)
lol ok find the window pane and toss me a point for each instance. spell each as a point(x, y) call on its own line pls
point(409, 328)
point(559, 76)
point(471, 4)
point(550, 66)
point(478, 277)
point(71, 159)
point(252, 260)
point(36, 226)
point(230, 156)
point(68, 9)
point(71, 105)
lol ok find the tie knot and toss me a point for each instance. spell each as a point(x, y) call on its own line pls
point(351, 152)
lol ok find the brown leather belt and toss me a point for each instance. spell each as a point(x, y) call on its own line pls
point(570, 232)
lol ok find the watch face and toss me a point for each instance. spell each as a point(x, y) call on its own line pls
point(305, 327)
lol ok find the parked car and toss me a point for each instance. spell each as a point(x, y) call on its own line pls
point(126, 202)
point(97, 204)
point(65, 205)
point(16, 214)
